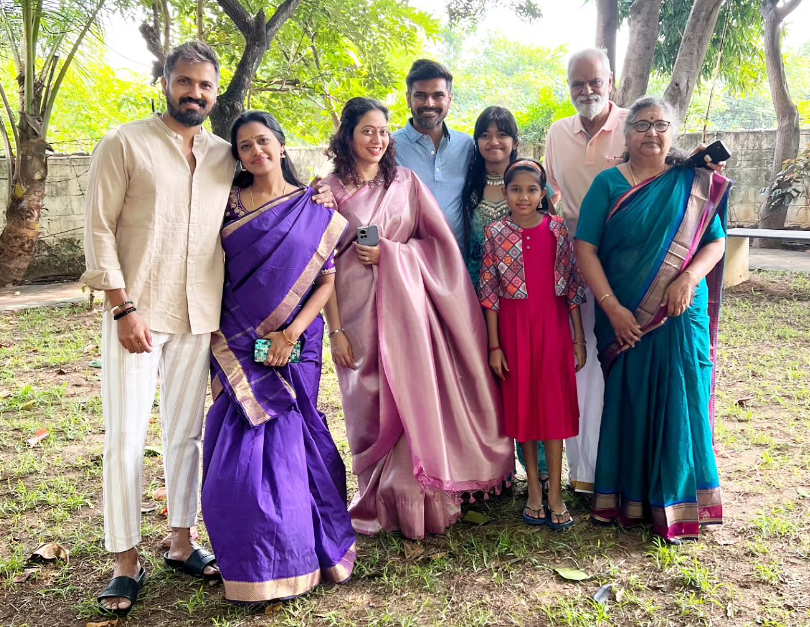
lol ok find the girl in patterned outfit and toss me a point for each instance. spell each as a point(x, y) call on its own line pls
point(530, 287)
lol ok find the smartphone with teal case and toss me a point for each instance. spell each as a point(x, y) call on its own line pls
point(262, 347)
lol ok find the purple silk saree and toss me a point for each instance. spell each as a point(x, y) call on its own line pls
point(422, 408)
point(274, 485)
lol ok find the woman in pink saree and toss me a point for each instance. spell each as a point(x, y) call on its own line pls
point(409, 343)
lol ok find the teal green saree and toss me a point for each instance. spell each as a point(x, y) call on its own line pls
point(656, 462)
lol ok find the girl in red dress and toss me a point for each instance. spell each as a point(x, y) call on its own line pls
point(530, 286)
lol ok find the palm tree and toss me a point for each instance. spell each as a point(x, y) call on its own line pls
point(43, 37)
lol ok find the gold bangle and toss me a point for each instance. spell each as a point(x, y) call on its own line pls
point(284, 335)
point(604, 297)
point(580, 343)
point(336, 331)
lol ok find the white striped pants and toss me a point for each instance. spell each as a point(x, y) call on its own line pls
point(128, 383)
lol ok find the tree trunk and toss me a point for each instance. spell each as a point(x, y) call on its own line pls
point(607, 24)
point(638, 62)
point(691, 55)
point(774, 211)
point(232, 102)
point(18, 242)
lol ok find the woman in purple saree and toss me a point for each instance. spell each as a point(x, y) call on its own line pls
point(408, 339)
point(274, 485)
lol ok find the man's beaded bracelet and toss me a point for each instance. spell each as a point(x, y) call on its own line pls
point(122, 305)
point(126, 312)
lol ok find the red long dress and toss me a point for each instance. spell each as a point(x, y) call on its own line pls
point(540, 390)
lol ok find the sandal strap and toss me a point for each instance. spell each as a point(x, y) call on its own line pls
point(532, 509)
point(197, 561)
point(560, 514)
point(124, 587)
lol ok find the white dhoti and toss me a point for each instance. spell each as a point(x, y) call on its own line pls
point(581, 450)
point(128, 384)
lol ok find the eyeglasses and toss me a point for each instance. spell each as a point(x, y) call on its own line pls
point(642, 126)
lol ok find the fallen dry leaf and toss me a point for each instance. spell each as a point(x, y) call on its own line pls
point(160, 494)
point(50, 552)
point(275, 608)
point(40, 435)
point(413, 550)
point(61, 371)
point(439, 555)
point(24, 575)
point(107, 623)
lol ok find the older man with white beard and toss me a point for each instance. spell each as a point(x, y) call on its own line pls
point(577, 149)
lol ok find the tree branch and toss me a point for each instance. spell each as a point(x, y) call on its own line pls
point(786, 9)
point(167, 25)
point(239, 16)
point(200, 22)
point(282, 14)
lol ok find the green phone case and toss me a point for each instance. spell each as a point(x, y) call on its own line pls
point(262, 347)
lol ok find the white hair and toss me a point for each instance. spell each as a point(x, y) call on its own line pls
point(594, 54)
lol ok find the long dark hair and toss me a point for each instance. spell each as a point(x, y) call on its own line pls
point(341, 146)
point(534, 167)
point(244, 178)
point(503, 119)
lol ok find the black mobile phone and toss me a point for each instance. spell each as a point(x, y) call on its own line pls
point(717, 151)
point(368, 235)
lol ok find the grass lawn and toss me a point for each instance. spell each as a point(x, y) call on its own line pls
point(755, 570)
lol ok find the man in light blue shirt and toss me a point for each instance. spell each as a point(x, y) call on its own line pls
point(439, 156)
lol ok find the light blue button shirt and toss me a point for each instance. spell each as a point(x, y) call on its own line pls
point(443, 171)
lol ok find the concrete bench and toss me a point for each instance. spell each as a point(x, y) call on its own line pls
point(737, 245)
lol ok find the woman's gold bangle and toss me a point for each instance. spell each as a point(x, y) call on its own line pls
point(336, 331)
point(286, 337)
point(604, 297)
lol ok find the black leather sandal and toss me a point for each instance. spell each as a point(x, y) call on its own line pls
point(195, 564)
point(124, 588)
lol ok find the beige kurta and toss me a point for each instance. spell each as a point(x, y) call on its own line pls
point(152, 227)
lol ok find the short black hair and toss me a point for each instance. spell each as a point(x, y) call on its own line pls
point(191, 52)
point(426, 70)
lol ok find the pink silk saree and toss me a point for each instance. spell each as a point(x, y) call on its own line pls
point(422, 409)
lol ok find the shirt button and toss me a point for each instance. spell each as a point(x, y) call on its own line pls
point(433, 152)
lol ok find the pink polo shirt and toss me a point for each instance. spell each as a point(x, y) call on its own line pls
point(573, 161)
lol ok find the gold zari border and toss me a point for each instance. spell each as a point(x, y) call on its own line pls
point(325, 248)
point(238, 379)
point(228, 230)
point(255, 592)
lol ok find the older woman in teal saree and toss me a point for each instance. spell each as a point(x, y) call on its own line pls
point(650, 243)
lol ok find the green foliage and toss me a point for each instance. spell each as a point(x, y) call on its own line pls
point(467, 13)
point(326, 53)
point(528, 80)
point(742, 65)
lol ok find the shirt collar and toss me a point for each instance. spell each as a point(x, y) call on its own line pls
point(611, 123)
point(414, 135)
point(158, 119)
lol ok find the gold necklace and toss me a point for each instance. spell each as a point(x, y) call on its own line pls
point(253, 201)
point(632, 175)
